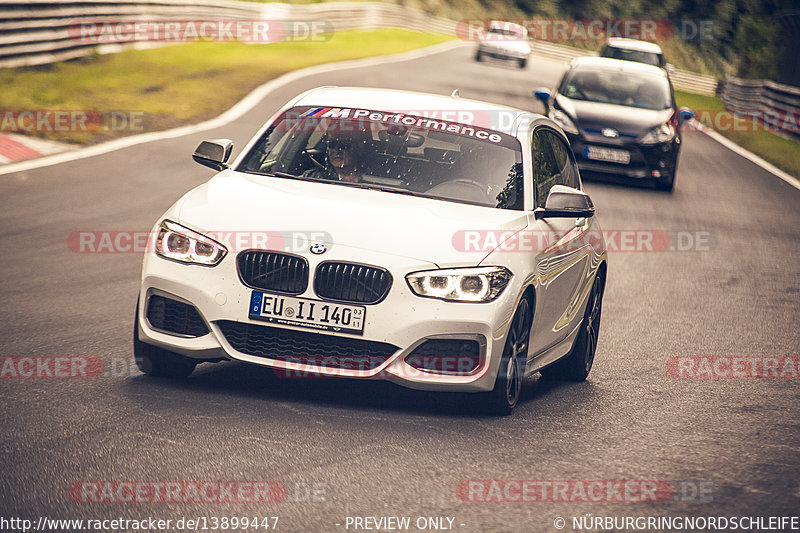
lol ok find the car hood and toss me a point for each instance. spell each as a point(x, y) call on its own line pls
point(627, 120)
point(234, 205)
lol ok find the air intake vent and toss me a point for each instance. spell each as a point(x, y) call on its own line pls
point(303, 347)
point(172, 316)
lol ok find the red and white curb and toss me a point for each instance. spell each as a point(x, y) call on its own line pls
point(15, 148)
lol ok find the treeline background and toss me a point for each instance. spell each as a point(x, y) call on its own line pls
point(757, 39)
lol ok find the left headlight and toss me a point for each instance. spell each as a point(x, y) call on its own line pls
point(482, 284)
point(563, 120)
point(660, 134)
point(186, 246)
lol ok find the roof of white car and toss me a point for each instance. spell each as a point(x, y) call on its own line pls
point(504, 25)
point(633, 44)
point(616, 64)
point(415, 103)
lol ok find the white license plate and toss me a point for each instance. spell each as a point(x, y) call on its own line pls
point(607, 154)
point(314, 314)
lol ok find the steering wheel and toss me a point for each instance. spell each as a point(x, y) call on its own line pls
point(446, 187)
point(579, 92)
point(485, 189)
point(309, 155)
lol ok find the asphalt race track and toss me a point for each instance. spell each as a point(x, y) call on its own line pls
point(727, 447)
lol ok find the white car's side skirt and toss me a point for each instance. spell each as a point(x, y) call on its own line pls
point(552, 354)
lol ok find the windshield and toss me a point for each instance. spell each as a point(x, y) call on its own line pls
point(642, 90)
point(394, 152)
point(650, 58)
point(505, 32)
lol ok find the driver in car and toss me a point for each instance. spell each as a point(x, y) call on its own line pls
point(344, 156)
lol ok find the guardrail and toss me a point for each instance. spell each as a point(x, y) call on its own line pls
point(775, 105)
point(38, 31)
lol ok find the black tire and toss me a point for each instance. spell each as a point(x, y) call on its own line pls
point(508, 385)
point(478, 56)
point(155, 361)
point(523, 63)
point(577, 365)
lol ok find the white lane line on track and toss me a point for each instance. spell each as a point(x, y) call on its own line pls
point(750, 156)
point(239, 109)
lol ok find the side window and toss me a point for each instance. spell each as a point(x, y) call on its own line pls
point(565, 161)
point(545, 168)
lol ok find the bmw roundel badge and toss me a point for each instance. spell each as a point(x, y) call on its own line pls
point(317, 248)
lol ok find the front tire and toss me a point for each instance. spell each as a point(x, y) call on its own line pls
point(478, 56)
point(508, 385)
point(155, 361)
point(577, 365)
point(523, 63)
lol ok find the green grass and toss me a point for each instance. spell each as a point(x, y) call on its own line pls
point(783, 152)
point(181, 84)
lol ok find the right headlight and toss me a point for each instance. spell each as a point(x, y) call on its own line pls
point(661, 134)
point(482, 284)
point(563, 120)
point(178, 243)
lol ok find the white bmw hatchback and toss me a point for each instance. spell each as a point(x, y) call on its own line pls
point(437, 242)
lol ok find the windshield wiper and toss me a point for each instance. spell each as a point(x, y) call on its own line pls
point(376, 187)
point(367, 186)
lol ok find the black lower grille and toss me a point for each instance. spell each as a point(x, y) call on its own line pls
point(305, 347)
point(172, 316)
point(273, 271)
point(446, 356)
point(351, 282)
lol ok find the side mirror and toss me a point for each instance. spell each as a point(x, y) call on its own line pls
point(670, 68)
point(544, 96)
point(565, 202)
point(214, 154)
point(686, 114)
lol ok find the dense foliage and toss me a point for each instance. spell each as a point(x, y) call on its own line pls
point(751, 38)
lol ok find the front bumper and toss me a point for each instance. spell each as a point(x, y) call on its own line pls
point(402, 319)
point(647, 161)
point(503, 53)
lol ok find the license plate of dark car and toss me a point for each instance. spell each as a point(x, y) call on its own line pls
point(607, 154)
point(307, 313)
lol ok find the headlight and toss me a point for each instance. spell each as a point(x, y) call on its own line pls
point(482, 284)
point(186, 246)
point(563, 120)
point(661, 134)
